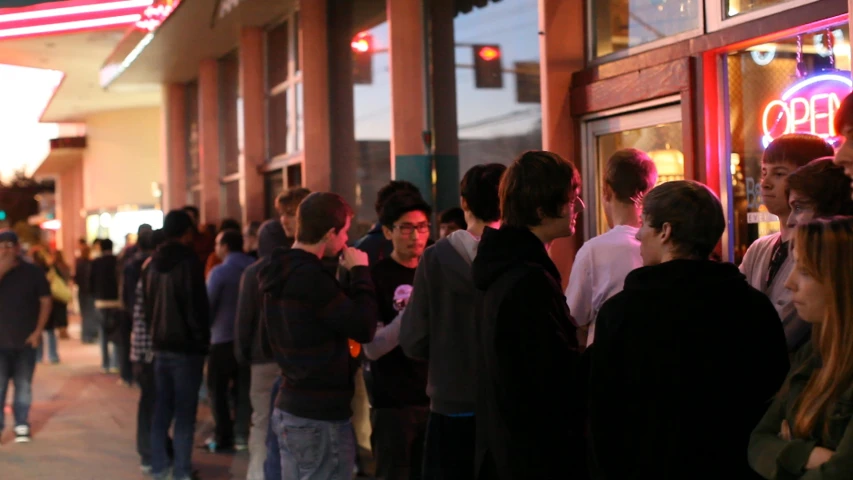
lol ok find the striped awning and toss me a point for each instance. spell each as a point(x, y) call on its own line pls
point(23, 3)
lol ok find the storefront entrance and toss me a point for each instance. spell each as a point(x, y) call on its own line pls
point(656, 129)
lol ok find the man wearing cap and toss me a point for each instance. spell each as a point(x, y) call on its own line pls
point(25, 301)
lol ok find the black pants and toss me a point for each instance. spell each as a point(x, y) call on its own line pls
point(223, 372)
point(145, 413)
point(125, 327)
point(449, 448)
point(398, 441)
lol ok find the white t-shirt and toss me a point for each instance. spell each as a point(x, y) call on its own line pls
point(599, 272)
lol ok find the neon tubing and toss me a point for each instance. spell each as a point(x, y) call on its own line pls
point(79, 9)
point(77, 25)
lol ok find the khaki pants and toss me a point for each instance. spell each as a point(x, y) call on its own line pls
point(263, 377)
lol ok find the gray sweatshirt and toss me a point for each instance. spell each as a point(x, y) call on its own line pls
point(439, 323)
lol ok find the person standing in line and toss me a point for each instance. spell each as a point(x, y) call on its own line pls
point(179, 315)
point(451, 220)
point(530, 389)
point(603, 262)
point(223, 370)
point(82, 274)
point(844, 127)
point(105, 289)
point(310, 320)
point(439, 325)
point(374, 242)
point(25, 303)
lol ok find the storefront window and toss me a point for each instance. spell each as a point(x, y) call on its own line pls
point(662, 142)
point(621, 24)
point(273, 185)
point(793, 85)
point(284, 89)
point(734, 8)
point(117, 225)
point(498, 120)
point(229, 113)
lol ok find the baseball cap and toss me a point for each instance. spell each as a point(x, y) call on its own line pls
point(8, 236)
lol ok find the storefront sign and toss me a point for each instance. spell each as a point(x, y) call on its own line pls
point(808, 106)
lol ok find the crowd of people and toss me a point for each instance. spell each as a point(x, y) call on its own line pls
point(654, 360)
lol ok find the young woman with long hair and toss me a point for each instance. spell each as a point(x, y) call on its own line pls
point(807, 433)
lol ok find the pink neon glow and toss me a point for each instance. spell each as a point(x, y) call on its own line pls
point(75, 10)
point(812, 112)
point(70, 26)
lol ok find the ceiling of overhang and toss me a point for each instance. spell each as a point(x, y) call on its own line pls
point(79, 56)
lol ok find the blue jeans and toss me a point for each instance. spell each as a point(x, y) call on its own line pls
point(314, 449)
point(17, 365)
point(272, 464)
point(177, 378)
point(49, 338)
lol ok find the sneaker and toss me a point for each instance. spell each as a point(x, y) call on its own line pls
point(146, 469)
point(22, 434)
point(241, 445)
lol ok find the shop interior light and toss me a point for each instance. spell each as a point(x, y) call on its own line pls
point(51, 224)
point(70, 26)
point(75, 10)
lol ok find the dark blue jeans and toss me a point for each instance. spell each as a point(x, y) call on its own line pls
point(17, 365)
point(272, 465)
point(177, 378)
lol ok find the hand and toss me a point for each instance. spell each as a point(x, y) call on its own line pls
point(353, 257)
point(34, 339)
point(785, 431)
point(818, 457)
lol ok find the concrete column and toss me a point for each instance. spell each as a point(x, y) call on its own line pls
point(208, 131)
point(341, 96)
point(70, 208)
point(174, 152)
point(408, 110)
point(562, 53)
point(445, 125)
point(252, 88)
point(314, 47)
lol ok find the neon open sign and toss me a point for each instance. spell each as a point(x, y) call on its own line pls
point(808, 106)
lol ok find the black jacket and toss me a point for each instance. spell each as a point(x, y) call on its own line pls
point(176, 304)
point(310, 318)
point(685, 362)
point(529, 420)
point(103, 278)
point(251, 344)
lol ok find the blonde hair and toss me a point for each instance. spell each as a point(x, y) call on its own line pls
point(824, 250)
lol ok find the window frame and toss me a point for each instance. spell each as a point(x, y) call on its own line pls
point(715, 19)
point(294, 147)
point(697, 31)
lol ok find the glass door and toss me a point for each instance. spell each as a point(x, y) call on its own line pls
point(656, 131)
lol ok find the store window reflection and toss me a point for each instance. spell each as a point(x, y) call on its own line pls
point(662, 142)
point(734, 8)
point(372, 111)
point(793, 85)
point(499, 121)
point(622, 24)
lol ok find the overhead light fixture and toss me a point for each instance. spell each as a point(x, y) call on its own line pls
point(136, 5)
point(70, 26)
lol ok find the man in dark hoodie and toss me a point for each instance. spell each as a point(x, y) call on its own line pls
point(252, 345)
point(178, 313)
point(439, 323)
point(664, 365)
point(529, 397)
point(310, 319)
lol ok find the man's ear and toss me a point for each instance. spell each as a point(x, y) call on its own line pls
point(387, 232)
point(463, 204)
point(665, 233)
point(328, 235)
point(607, 193)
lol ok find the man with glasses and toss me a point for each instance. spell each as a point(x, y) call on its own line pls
point(396, 384)
point(25, 302)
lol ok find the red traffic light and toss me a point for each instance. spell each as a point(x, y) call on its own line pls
point(362, 43)
point(489, 53)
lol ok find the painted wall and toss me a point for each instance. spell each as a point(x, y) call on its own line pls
point(122, 158)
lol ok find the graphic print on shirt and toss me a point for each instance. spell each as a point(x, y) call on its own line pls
point(401, 297)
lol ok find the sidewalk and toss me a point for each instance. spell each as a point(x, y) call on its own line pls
point(84, 426)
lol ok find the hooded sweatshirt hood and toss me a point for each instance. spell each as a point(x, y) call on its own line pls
point(170, 255)
point(501, 250)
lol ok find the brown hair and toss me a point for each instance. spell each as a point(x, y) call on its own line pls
point(844, 115)
point(289, 199)
point(826, 184)
point(824, 249)
point(630, 173)
point(537, 183)
point(796, 148)
point(318, 213)
point(693, 212)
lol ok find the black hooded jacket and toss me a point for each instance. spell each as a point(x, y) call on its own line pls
point(685, 363)
point(309, 319)
point(529, 420)
point(177, 308)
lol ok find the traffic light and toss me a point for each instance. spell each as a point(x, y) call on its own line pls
point(488, 71)
point(362, 59)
